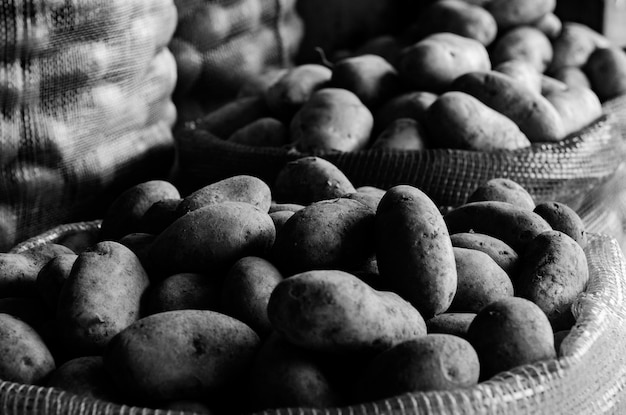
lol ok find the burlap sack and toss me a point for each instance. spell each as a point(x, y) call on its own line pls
point(588, 377)
point(85, 106)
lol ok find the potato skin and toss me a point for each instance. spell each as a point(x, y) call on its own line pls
point(52, 276)
point(512, 224)
point(329, 234)
point(606, 69)
point(431, 362)
point(565, 219)
point(264, 132)
point(310, 179)
point(525, 43)
point(246, 290)
point(578, 106)
point(335, 312)
point(575, 43)
point(480, 281)
point(230, 117)
point(183, 291)
point(510, 332)
point(284, 375)
point(458, 120)
point(503, 190)
point(182, 354)
point(401, 134)
point(533, 113)
point(84, 376)
point(414, 251)
point(553, 273)
point(331, 119)
point(435, 61)
point(522, 71)
point(24, 356)
point(411, 104)
point(211, 238)
point(240, 188)
point(509, 13)
point(124, 215)
point(499, 251)
point(450, 323)
point(100, 297)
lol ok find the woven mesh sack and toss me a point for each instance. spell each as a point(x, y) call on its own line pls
point(85, 106)
point(221, 44)
point(587, 378)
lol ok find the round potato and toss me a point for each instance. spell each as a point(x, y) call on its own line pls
point(411, 104)
point(84, 376)
point(264, 132)
point(606, 70)
point(510, 13)
point(525, 43)
point(183, 291)
point(565, 219)
point(503, 190)
point(401, 134)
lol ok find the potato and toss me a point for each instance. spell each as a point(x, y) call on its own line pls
point(450, 323)
point(480, 281)
point(101, 297)
point(332, 311)
point(139, 243)
point(84, 376)
point(264, 132)
point(211, 238)
point(332, 119)
point(553, 272)
point(385, 45)
point(259, 83)
point(52, 276)
point(550, 84)
point(458, 120)
point(280, 218)
point(184, 291)
point(456, 16)
point(575, 44)
point(329, 234)
point(246, 290)
point(565, 219)
point(182, 354)
point(401, 134)
point(510, 13)
point(411, 104)
point(522, 71)
point(25, 358)
point(606, 69)
point(225, 120)
point(124, 214)
point(310, 179)
point(559, 336)
point(550, 24)
point(159, 216)
point(504, 190)
point(534, 114)
point(499, 251)
point(18, 271)
point(414, 251)
point(284, 375)
point(188, 64)
point(514, 225)
point(282, 207)
point(367, 197)
point(371, 77)
point(435, 362)
point(287, 95)
point(510, 332)
point(435, 61)
point(525, 43)
point(239, 188)
point(578, 106)
point(572, 76)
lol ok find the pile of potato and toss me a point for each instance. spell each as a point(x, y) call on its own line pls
point(470, 75)
point(306, 292)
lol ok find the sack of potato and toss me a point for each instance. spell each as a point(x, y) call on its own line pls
point(311, 295)
point(85, 92)
point(220, 45)
point(465, 93)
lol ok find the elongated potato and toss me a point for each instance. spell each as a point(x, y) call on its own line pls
point(435, 61)
point(335, 312)
point(406, 105)
point(330, 234)
point(182, 354)
point(525, 43)
point(572, 76)
point(211, 238)
point(553, 273)
point(101, 297)
point(509, 13)
point(458, 120)
point(522, 71)
point(512, 224)
point(240, 188)
point(450, 323)
point(414, 251)
point(52, 276)
point(578, 106)
point(230, 117)
point(499, 251)
point(533, 113)
point(264, 132)
point(310, 179)
point(575, 44)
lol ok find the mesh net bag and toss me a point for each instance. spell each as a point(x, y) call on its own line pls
point(85, 106)
point(221, 44)
point(588, 377)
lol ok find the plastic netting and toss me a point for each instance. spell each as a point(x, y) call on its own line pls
point(588, 377)
point(85, 106)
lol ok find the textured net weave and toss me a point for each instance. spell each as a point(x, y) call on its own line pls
point(589, 377)
point(85, 106)
point(583, 170)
